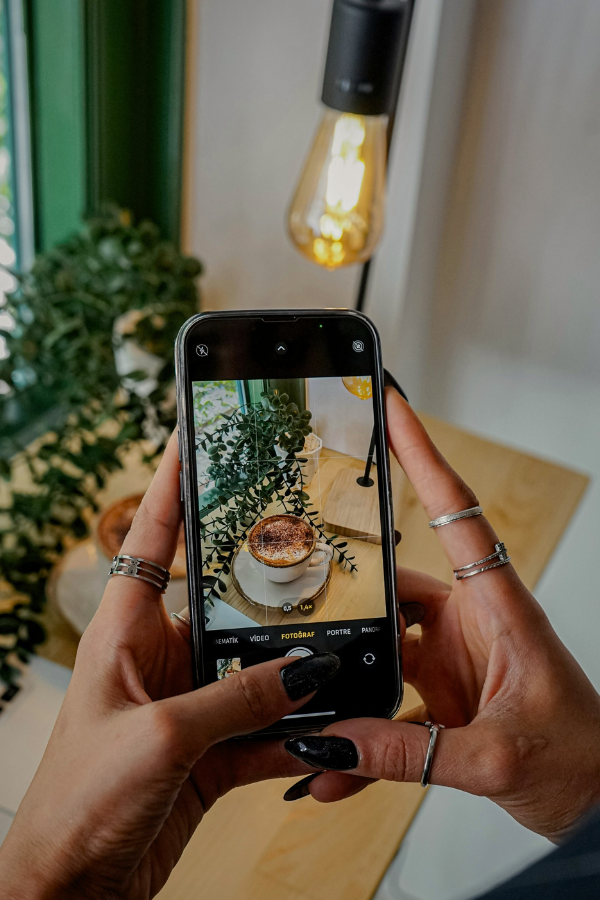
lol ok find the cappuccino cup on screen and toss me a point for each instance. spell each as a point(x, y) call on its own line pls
point(284, 546)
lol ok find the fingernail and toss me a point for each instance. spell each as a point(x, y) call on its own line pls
point(300, 789)
point(180, 618)
point(412, 612)
point(306, 674)
point(324, 752)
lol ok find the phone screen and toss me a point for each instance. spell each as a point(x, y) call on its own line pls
point(290, 504)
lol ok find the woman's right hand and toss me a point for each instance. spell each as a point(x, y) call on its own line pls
point(522, 719)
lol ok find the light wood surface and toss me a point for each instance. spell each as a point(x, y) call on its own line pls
point(252, 845)
point(351, 509)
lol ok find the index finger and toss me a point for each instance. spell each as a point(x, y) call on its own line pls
point(439, 488)
point(155, 529)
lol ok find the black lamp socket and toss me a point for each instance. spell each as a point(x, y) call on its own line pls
point(367, 43)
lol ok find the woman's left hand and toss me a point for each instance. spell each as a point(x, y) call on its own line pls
point(137, 756)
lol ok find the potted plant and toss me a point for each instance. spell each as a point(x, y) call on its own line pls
point(59, 373)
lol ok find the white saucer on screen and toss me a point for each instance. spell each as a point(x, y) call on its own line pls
point(257, 589)
point(79, 579)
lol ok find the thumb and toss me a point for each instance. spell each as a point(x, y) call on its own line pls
point(471, 758)
point(246, 702)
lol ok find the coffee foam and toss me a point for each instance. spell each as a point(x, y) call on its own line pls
point(281, 540)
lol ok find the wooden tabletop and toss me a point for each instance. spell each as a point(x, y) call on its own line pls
point(252, 845)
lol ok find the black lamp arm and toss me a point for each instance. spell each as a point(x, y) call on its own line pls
point(365, 480)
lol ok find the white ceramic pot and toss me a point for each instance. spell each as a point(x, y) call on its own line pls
point(130, 357)
point(309, 468)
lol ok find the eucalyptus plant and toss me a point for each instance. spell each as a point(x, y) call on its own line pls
point(59, 356)
point(248, 474)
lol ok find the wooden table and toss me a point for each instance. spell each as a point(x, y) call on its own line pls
point(252, 845)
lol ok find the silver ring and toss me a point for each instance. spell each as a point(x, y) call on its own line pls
point(455, 517)
point(434, 730)
point(136, 567)
point(500, 554)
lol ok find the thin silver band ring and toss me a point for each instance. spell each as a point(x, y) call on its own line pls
point(434, 730)
point(455, 517)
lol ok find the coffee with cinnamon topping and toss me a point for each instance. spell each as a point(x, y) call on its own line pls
point(281, 541)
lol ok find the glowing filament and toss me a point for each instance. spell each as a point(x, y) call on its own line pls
point(336, 215)
point(359, 385)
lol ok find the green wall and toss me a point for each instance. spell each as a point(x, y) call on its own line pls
point(55, 29)
point(107, 82)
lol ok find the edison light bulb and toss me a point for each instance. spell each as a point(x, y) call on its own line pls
point(359, 385)
point(336, 216)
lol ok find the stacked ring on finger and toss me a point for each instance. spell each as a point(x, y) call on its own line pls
point(136, 567)
point(500, 554)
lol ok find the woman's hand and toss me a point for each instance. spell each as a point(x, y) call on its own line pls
point(522, 719)
point(136, 758)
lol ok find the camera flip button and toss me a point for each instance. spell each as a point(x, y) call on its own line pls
point(368, 659)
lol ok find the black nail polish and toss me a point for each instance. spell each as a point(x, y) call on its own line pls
point(324, 752)
point(300, 789)
point(412, 612)
point(308, 673)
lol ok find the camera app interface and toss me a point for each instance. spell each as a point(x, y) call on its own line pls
point(289, 517)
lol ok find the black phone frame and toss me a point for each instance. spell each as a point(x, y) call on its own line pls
point(189, 499)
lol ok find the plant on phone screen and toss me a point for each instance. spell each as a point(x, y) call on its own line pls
point(248, 474)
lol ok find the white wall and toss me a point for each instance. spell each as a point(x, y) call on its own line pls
point(342, 421)
point(520, 270)
point(403, 290)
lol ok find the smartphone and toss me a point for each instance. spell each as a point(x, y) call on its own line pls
point(287, 494)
